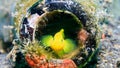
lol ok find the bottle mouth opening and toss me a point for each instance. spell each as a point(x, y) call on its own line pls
point(52, 22)
point(58, 17)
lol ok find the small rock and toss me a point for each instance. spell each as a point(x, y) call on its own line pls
point(118, 63)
